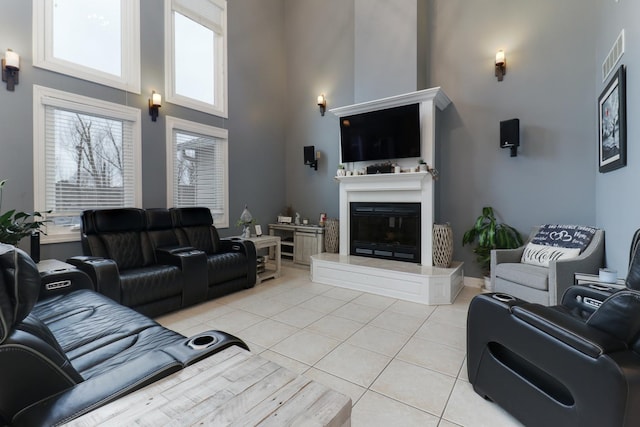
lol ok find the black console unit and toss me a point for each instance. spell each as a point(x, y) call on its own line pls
point(379, 168)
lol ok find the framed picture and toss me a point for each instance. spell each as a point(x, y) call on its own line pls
point(612, 121)
point(258, 230)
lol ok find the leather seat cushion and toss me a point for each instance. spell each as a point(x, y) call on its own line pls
point(532, 276)
point(143, 285)
point(226, 266)
point(97, 334)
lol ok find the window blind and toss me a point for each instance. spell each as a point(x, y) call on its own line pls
point(89, 161)
point(198, 171)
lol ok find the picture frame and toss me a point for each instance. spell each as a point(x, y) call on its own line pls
point(612, 124)
point(258, 230)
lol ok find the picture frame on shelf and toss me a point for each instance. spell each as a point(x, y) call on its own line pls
point(258, 230)
point(612, 124)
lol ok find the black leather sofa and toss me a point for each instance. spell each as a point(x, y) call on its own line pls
point(66, 350)
point(160, 260)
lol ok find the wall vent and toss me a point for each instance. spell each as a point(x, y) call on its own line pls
point(616, 52)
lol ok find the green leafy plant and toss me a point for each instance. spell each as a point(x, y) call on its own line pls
point(489, 234)
point(16, 225)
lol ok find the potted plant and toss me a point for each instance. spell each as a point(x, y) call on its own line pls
point(489, 235)
point(16, 225)
point(422, 166)
point(341, 171)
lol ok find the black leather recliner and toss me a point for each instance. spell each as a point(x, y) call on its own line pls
point(570, 365)
point(227, 266)
point(122, 263)
point(76, 350)
point(160, 260)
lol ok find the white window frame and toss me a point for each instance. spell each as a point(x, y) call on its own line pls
point(130, 48)
point(220, 220)
point(89, 106)
point(220, 106)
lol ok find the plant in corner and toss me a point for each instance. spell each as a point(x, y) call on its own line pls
point(16, 225)
point(489, 235)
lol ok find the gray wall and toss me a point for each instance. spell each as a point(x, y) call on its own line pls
point(319, 44)
point(617, 204)
point(256, 87)
point(548, 86)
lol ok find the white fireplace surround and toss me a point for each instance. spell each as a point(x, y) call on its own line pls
point(419, 283)
point(415, 187)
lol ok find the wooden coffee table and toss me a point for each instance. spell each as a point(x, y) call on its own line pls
point(233, 387)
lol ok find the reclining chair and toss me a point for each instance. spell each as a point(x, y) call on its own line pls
point(575, 364)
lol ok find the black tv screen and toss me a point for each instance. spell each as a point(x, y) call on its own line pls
point(388, 134)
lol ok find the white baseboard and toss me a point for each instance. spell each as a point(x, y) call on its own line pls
point(474, 282)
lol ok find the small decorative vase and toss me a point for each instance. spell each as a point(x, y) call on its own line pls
point(246, 232)
point(442, 245)
point(332, 235)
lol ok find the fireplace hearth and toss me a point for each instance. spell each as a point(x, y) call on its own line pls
point(385, 230)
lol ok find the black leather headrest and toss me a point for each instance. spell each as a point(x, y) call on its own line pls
point(19, 287)
point(619, 315)
point(190, 217)
point(633, 275)
point(158, 219)
point(119, 220)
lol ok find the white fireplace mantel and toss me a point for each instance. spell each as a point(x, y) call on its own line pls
point(408, 187)
point(410, 281)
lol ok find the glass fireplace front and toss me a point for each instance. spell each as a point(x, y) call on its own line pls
point(385, 230)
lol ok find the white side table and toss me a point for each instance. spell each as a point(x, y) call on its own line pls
point(268, 242)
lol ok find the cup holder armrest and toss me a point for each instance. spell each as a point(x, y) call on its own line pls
point(199, 346)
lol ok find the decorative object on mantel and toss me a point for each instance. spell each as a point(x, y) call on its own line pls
point(422, 166)
point(341, 171)
point(246, 219)
point(332, 235)
point(490, 235)
point(442, 245)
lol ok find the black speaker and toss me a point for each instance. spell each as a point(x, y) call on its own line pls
point(310, 156)
point(35, 246)
point(510, 135)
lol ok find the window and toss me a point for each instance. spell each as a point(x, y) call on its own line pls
point(196, 54)
point(86, 156)
point(95, 40)
point(197, 160)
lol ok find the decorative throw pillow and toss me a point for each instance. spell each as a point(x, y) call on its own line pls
point(564, 236)
point(543, 254)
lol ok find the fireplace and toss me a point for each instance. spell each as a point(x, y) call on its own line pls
point(385, 230)
point(376, 253)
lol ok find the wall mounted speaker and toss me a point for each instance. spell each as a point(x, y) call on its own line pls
point(310, 156)
point(510, 135)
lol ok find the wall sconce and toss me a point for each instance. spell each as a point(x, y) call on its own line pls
point(11, 69)
point(311, 156)
point(501, 65)
point(154, 103)
point(322, 103)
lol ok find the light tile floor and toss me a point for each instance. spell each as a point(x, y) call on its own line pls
point(402, 363)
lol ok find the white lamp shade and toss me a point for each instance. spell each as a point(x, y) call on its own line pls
point(500, 57)
point(12, 60)
point(156, 99)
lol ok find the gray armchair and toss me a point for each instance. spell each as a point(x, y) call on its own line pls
point(542, 285)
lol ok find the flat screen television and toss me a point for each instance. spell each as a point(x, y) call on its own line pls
point(393, 133)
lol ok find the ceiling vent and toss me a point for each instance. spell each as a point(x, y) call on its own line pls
point(616, 52)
